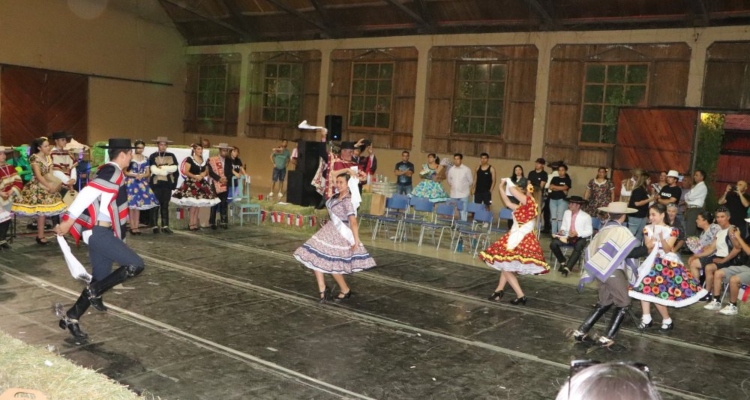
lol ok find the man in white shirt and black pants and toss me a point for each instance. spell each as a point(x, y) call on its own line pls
point(694, 199)
point(576, 229)
point(460, 178)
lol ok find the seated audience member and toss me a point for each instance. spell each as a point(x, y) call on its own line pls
point(705, 222)
point(575, 230)
point(737, 201)
point(678, 224)
point(721, 253)
point(610, 381)
point(735, 276)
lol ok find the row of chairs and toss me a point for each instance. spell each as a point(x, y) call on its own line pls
point(402, 212)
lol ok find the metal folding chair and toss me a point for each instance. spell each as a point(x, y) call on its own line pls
point(444, 219)
point(395, 211)
point(476, 233)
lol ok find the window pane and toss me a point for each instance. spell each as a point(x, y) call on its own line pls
point(590, 133)
point(359, 71)
point(608, 134)
point(482, 72)
point(594, 94)
point(595, 73)
point(478, 108)
point(271, 70)
point(592, 113)
point(498, 72)
point(637, 73)
point(464, 90)
point(355, 119)
point(369, 119)
point(461, 107)
point(370, 102)
point(386, 71)
point(476, 126)
point(358, 103)
point(384, 87)
point(479, 93)
point(371, 87)
point(616, 74)
point(373, 71)
point(493, 126)
point(358, 87)
point(383, 121)
point(635, 94)
point(285, 71)
point(480, 90)
point(496, 90)
point(466, 72)
point(494, 108)
point(282, 91)
point(461, 125)
point(615, 94)
point(296, 71)
point(384, 104)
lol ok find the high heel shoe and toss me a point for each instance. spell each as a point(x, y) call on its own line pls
point(496, 295)
point(345, 295)
point(518, 300)
point(40, 242)
point(325, 295)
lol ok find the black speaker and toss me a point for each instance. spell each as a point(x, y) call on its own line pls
point(334, 124)
point(299, 191)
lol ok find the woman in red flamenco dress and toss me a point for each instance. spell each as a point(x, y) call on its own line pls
point(518, 251)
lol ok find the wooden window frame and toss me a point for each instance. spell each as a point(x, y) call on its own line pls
point(223, 94)
point(454, 98)
point(605, 104)
point(300, 93)
point(365, 95)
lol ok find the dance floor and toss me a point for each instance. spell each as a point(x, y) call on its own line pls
point(231, 315)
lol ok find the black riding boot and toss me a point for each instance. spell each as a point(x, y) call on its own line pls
point(69, 321)
point(212, 218)
point(614, 326)
point(165, 222)
point(589, 322)
point(97, 288)
point(154, 220)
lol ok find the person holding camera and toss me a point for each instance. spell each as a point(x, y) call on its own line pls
point(367, 161)
point(737, 202)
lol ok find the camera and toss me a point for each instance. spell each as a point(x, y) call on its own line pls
point(734, 188)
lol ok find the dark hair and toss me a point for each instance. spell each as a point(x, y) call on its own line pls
point(702, 172)
point(113, 153)
point(36, 144)
point(484, 155)
point(195, 146)
point(284, 140)
point(459, 155)
point(344, 175)
point(707, 216)
point(722, 209)
point(437, 159)
point(562, 166)
point(405, 151)
point(662, 209)
point(233, 149)
point(139, 141)
point(605, 172)
point(513, 173)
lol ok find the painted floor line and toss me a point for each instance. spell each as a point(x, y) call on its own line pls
point(450, 294)
point(387, 322)
point(208, 344)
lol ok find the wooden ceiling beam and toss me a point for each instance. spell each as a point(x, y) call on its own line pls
point(544, 12)
point(700, 10)
point(321, 25)
point(206, 17)
point(236, 14)
point(409, 12)
point(329, 22)
point(425, 12)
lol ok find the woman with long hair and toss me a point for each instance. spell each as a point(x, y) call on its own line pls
point(518, 251)
point(600, 191)
point(140, 196)
point(40, 197)
point(663, 279)
point(432, 175)
point(238, 170)
point(336, 249)
point(195, 192)
point(515, 176)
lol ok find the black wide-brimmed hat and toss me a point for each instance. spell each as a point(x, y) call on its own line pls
point(118, 143)
point(60, 135)
point(347, 145)
point(576, 199)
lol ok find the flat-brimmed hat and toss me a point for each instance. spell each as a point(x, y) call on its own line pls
point(576, 199)
point(223, 146)
point(161, 139)
point(347, 145)
point(542, 161)
point(673, 173)
point(617, 207)
point(60, 135)
point(4, 149)
point(118, 143)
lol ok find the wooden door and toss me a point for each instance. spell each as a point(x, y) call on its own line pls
point(35, 102)
point(654, 139)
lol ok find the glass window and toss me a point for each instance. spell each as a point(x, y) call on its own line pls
point(212, 89)
point(282, 92)
point(479, 99)
point(607, 87)
point(371, 96)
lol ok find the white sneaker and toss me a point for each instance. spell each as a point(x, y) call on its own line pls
point(713, 306)
point(280, 195)
point(729, 309)
point(270, 195)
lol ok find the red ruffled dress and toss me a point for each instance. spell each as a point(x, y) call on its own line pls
point(527, 258)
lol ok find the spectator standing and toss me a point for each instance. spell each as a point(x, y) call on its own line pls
point(485, 182)
point(639, 200)
point(280, 158)
point(368, 163)
point(599, 192)
point(404, 170)
point(558, 191)
point(694, 201)
point(670, 193)
point(737, 201)
point(460, 178)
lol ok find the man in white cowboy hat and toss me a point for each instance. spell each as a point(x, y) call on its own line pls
point(10, 187)
point(575, 230)
point(163, 181)
point(98, 216)
point(220, 171)
point(671, 193)
point(607, 261)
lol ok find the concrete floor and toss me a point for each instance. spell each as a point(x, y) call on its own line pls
point(231, 315)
